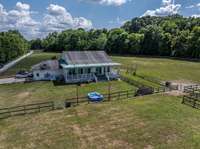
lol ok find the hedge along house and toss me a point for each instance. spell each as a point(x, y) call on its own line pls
point(77, 67)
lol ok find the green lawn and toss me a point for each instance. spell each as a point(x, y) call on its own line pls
point(20, 94)
point(140, 80)
point(26, 63)
point(163, 69)
point(157, 121)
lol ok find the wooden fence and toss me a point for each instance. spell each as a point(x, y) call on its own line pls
point(133, 82)
point(107, 97)
point(129, 69)
point(49, 106)
point(161, 89)
point(26, 109)
point(151, 79)
point(138, 85)
point(191, 88)
point(191, 101)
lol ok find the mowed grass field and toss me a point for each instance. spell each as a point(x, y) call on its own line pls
point(157, 121)
point(28, 93)
point(163, 69)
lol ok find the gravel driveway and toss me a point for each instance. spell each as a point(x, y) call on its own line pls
point(11, 80)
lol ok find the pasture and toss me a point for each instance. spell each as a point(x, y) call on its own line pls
point(163, 68)
point(156, 121)
point(28, 93)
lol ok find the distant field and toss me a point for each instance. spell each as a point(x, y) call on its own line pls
point(164, 69)
point(157, 121)
point(26, 63)
point(20, 94)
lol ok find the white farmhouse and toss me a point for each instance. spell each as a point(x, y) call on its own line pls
point(77, 67)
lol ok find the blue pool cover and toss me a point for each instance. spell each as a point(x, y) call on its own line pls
point(95, 97)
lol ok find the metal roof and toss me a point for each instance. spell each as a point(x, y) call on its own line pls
point(47, 65)
point(86, 57)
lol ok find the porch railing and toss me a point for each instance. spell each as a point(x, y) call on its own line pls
point(113, 75)
point(80, 78)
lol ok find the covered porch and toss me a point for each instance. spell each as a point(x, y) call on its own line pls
point(90, 73)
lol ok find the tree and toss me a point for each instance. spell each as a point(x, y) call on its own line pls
point(36, 44)
point(194, 43)
point(12, 45)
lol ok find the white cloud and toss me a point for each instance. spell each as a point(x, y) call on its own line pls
point(117, 21)
point(189, 7)
point(196, 16)
point(193, 6)
point(22, 6)
point(20, 19)
point(168, 8)
point(198, 7)
point(57, 18)
point(109, 2)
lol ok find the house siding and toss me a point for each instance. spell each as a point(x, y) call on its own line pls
point(47, 74)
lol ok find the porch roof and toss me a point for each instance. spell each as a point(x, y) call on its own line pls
point(89, 65)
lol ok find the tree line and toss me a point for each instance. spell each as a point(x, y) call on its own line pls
point(157, 36)
point(12, 45)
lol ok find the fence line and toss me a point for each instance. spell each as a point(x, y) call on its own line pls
point(139, 85)
point(107, 97)
point(133, 82)
point(191, 88)
point(26, 109)
point(191, 101)
point(49, 106)
point(151, 79)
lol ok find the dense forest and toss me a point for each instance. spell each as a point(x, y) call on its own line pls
point(158, 36)
point(12, 45)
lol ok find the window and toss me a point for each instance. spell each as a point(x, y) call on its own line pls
point(37, 74)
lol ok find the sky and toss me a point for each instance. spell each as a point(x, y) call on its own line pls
point(38, 18)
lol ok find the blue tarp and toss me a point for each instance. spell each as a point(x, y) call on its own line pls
point(95, 96)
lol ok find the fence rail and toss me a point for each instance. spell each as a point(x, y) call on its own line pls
point(139, 85)
point(151, 79)
point(26, 109)
point(191, 101)
point(107, 97)
point(191, 88)
point(133, 82)
point(49, 106)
